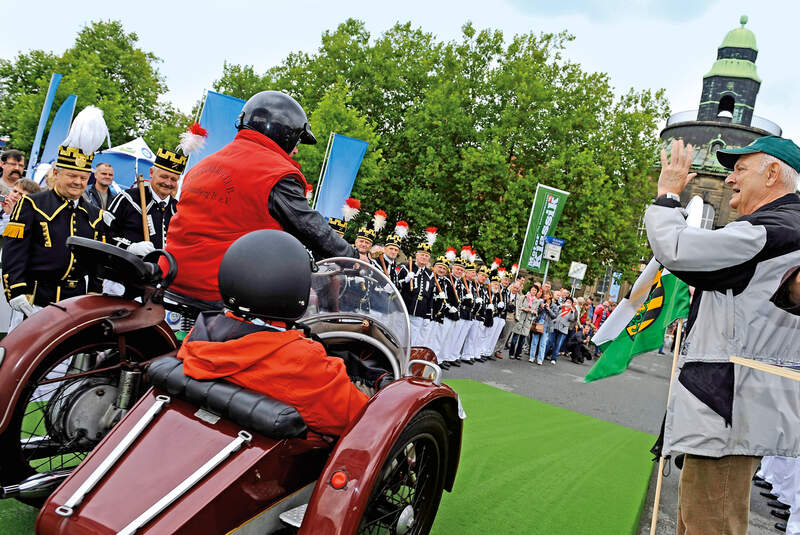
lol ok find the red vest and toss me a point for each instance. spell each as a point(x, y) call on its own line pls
point(224, 197)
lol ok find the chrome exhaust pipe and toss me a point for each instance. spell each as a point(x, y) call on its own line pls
point(36, 486)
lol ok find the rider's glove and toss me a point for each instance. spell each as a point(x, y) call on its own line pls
point(21, 304)
point(141, 248)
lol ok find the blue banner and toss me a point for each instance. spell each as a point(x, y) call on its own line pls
point(55, 79)
point(340, 174)
point(219, 118)
point(58, 130)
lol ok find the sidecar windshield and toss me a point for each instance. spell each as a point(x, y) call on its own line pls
point(352, 289)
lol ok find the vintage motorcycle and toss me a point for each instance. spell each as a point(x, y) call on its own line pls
point(208, 456)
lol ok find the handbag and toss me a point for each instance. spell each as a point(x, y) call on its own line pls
point(537, 328)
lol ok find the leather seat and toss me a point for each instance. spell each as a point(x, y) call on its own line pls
point(252, 410)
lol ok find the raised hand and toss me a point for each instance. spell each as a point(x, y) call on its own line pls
point(675, 172)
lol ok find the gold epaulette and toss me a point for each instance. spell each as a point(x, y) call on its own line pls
point(14, 230)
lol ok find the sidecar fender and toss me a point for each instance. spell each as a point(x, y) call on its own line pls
point(363, 448)
point(24, 348)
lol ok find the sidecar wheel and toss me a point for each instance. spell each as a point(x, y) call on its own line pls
point(26, 446)
point(406, 494)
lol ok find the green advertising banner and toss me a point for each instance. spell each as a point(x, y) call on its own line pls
point(547, 207)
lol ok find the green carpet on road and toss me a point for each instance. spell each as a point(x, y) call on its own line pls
point(526, 468)
point(530, 468)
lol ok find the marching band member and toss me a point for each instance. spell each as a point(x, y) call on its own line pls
point(38, 268)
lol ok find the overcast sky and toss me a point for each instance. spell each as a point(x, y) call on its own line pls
point(639, 43)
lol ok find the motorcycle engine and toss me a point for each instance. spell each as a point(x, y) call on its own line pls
point(77, 411)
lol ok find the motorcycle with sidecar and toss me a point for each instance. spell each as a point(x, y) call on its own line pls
point(97, 405)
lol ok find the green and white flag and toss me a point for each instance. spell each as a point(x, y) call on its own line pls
point(637, 325)
point(548, 203)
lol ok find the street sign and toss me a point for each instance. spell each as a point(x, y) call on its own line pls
point(577, 270)
point(552, 248)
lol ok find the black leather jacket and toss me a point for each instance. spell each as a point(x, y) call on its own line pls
point(288, 204)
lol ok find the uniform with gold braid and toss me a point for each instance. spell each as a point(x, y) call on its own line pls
point(36, 261)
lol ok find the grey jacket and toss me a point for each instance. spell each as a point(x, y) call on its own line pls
point(734, 270)
point(525, 319)
point(562, 324)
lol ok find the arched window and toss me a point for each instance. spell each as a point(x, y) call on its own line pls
point(707, 221)
point(725, 108)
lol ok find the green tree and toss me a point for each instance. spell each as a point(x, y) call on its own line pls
point(466, 129)
point(105, 67)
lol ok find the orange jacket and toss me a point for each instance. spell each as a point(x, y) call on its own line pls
point(285, 366)
point(223, 197)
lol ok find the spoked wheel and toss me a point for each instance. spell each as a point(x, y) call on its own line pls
point(65, 409)
point(406, 495)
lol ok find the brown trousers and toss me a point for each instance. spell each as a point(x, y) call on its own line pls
point(714, 495)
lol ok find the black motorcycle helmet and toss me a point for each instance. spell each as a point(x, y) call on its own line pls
point(279, 117)
point(266, 274)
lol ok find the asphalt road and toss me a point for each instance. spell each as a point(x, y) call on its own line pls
point(635, 399)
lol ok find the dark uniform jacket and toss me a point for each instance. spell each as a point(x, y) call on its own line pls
point(466, 304)
point(418, 293)
point(391, 269)
point(36, 260)
point(124, 218)
point(439, 308)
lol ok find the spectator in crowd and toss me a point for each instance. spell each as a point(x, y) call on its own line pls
point(99, 193)
point(579, 346)
point(12, 162)
point(561, 325)
point(580, 309)
point(548, 311)
point(600, 314)
point(589, 310)
point(22, 187)
point(526, 307)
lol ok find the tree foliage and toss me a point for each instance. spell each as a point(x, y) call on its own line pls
point(105, 68)
point(463, 131)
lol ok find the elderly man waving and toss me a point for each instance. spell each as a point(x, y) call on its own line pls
point(724, 416)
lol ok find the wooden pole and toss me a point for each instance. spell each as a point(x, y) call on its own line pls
point(787, 373)
point(675, 353)
point(143, 204)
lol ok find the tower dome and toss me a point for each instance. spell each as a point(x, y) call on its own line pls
point(731, 86)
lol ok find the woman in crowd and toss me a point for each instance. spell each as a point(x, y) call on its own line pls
point(527, 306)
point(566, 318)
point(547, 313)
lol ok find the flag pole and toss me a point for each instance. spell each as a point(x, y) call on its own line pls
point(322, 169)
point(675, 353)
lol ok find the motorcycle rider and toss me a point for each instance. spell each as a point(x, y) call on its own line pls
point(250, 184)
point(279, 362)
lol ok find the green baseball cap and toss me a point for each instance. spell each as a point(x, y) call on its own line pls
point(783, 149)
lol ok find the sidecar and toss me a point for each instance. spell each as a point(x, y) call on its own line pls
point(209, 457)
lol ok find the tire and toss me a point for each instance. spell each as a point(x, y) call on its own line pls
point(411, 480)
point(30, 417)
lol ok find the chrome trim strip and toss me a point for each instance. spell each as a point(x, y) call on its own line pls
point(154, 510)
point(102, 469)
point(437, 377)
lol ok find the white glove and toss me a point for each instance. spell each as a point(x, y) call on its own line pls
point(441, 295)
point(21, 304)
point(468, 296)
point(451, 309)
point(141, 248)
point(388, 288)
point(359, 280)
point(479, 300)
point(409, 276)
point(490, 307)
point(501, 305)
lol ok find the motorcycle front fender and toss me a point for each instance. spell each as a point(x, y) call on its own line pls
point(365, 445)
point(24, 348)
